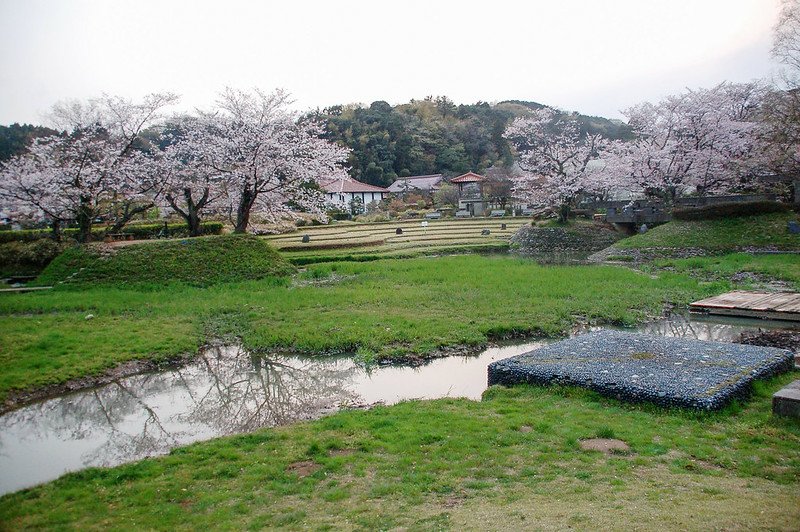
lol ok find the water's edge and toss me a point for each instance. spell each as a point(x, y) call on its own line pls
point(131, 368)
point(21, 398)
point(146, 408)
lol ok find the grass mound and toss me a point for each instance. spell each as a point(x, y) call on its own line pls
point(726, 234)
point(196, 261)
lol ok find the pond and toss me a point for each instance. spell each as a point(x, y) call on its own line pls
point(226, 390)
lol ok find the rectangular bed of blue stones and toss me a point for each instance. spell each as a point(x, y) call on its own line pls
point(672, 372)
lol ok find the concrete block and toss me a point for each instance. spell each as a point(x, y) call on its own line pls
point(786, 401)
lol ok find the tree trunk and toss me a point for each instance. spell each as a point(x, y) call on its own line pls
point(56, 230)
point(193, 220)
point(85, 215)
point(192, 213)
point(563, 213)
point(128, 215)
point(243, 210)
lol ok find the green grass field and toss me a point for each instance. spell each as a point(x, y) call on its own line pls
point(381, 309)
point(755, 269)
point(511, 461)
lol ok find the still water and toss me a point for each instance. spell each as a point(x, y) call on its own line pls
point(227, 390)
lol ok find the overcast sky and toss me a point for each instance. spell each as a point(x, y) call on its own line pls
point(596, 57)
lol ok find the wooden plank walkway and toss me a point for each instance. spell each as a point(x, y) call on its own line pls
point(769, 305)
point(22, 289)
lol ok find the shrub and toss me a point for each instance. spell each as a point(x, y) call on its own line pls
point(139, 232)
point(28, 258)
point(148, 231)
point(25, 235)
point(373, 217)
point(728, 210)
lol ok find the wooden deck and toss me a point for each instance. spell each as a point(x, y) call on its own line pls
point(768, 305)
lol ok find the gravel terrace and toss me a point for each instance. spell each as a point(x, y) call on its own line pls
point(671, 372)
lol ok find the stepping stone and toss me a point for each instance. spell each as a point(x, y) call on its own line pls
point(638, 367)
point(786, 401)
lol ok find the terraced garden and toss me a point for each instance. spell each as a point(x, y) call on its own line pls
point(358, 241)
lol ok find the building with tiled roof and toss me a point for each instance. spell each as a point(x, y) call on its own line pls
point(341, 192)
point(470, 191)
point(469, 177)
point(418, 183)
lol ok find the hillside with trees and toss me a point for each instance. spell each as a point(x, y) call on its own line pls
point(434, 135)
point(16, 138)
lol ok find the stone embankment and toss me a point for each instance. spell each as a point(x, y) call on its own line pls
point(577, 238)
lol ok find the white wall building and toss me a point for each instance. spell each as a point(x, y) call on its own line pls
point(341, 192)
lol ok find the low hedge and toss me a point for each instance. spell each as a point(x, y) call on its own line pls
point(728, 210)
point(139, 232)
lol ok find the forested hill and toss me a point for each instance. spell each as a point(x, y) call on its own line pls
point(15, 138)
point(433, 136)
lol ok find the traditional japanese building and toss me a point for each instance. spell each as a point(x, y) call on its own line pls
point(341, 192)
point(421, 184)
point(470, 190)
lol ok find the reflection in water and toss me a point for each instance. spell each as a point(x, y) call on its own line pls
point(224, 391)
point(227, 391)
point(712, 328)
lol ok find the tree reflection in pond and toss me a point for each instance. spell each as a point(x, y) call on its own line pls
point(224, 391)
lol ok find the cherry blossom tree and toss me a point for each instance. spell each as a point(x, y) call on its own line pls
point(29, 192)
point(100, 161)
point(786, 40)
point(703, 141)
point(780, 111)
point(192, 186)
point(264, 157)
point(555, 159)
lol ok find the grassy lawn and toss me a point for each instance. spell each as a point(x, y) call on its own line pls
point(784, 267)
point(723, 235)
point(511, 461)
point(381, 309)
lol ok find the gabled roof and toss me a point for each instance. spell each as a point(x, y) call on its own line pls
point(469, 177)
point(350, 185)
point(416, 182)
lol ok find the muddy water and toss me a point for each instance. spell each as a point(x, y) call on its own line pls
point(226, 390)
